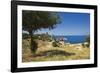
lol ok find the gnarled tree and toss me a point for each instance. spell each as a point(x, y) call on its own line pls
point(37, 20)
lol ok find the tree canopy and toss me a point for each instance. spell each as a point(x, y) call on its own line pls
point(36, 20)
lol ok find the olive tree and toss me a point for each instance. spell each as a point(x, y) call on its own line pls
point(33, 21)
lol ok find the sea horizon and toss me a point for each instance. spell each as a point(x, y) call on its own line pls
point(72, 38)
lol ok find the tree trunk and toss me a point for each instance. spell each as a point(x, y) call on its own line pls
point(33, 44)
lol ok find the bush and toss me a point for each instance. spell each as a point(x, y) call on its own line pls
point(25, 35)
point(88, 41)
point(83, 45)
point(55, 44)
point(87, 45)
point(35, 36)
point(45, 37)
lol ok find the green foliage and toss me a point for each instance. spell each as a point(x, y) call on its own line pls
point(87, 45)
point(25, 35)
point(83, 45)
point(88, 40)
point(36, 20)
point(45, 37)
point(55, 44)
point(35, 37)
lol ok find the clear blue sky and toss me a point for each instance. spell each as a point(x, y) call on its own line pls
point(71, 24)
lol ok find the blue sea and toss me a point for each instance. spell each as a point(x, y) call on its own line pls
point(73, 39)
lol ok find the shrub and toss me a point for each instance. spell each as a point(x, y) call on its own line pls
point(25, 35)
point(83, 45)
point(45, 37)
point(55, 44)
point(88, 41)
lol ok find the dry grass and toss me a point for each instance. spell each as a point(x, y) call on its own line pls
point(43, 46)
